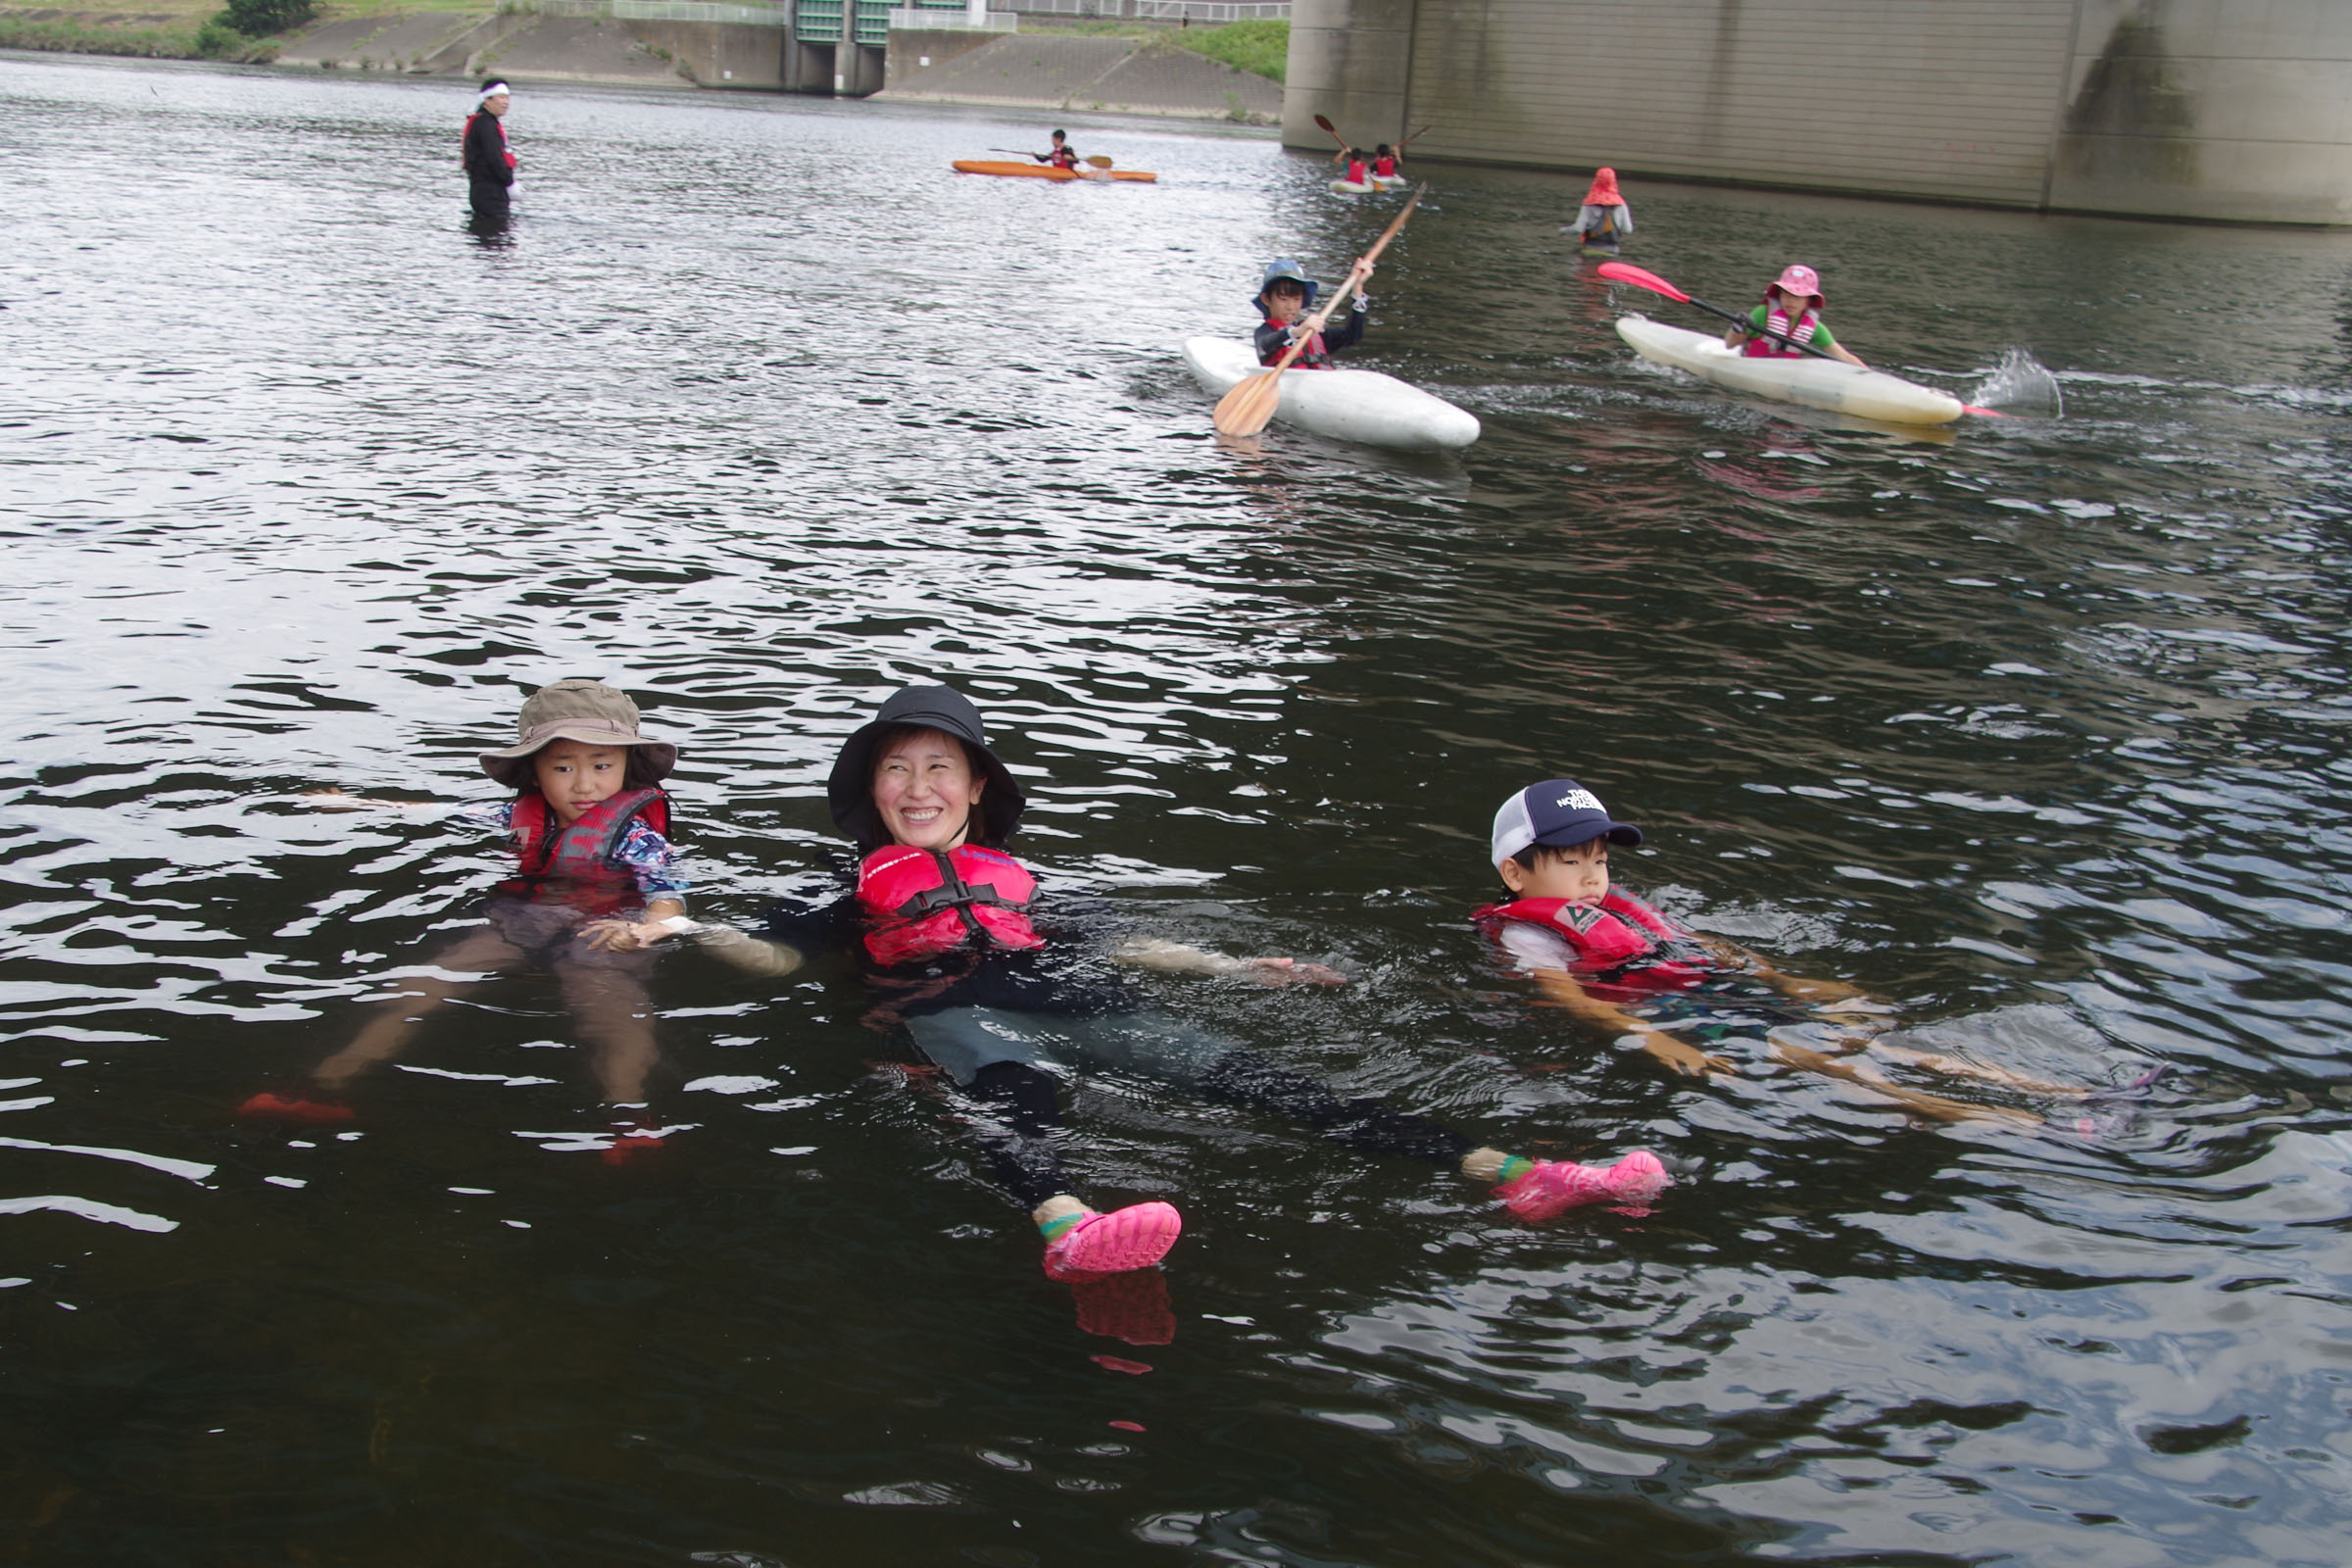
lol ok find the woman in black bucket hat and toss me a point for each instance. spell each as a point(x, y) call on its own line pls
point(1001, 995)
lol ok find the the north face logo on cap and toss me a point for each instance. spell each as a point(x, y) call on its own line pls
point(1582, 801)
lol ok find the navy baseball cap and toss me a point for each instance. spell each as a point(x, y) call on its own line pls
point(1560, 812)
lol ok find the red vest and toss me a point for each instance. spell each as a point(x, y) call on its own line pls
point(1384, 167)
point(1777, 320)
point(928, 902)
point(1618, 931)
point(1313, 357)
point(574, 865)
point(1355, 172)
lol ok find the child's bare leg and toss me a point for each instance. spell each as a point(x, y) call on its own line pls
point(1962, 1067)
point(1934, 1107)
point(477, 953)
point(614, 1015)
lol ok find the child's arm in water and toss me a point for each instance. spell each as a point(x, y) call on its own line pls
point(1174, 958)
point(1560, 987)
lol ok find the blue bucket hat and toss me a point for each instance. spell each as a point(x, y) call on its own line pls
point(1280, 268)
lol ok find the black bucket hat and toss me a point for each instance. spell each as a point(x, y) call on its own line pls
point(851, 789)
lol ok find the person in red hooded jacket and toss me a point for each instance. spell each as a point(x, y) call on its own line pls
point(1605, 216)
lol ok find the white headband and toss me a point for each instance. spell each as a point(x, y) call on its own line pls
point(495, 90)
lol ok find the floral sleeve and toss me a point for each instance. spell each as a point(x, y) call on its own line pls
point(649, 855)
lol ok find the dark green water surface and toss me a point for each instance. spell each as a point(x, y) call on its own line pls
point(2040, 733)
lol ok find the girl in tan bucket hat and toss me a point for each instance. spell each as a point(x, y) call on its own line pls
point(595, 884)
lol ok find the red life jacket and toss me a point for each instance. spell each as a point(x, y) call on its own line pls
point(1313, 357)
point(928, 902)
point(1777, 320)
point(464, 135)
point(1384, 167)
point(1617, 934)
point(1356, 170)
point(1063, 158)
point(574, 865)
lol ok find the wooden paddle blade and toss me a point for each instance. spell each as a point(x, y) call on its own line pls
point(1628, 272)
point(1250, 405)
point(1097, 159)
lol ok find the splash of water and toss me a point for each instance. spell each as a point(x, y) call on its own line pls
point(2021, 384)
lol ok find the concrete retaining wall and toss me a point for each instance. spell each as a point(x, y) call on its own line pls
point(2202, 109)
point(1130, 76)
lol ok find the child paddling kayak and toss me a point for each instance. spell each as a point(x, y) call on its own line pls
point(1284, 293)
point(1063, 154)
point(1791, 307)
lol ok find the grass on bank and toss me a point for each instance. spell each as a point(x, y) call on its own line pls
point(1261, 48)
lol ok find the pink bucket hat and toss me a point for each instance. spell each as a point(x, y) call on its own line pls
point(586, 710)
point(1799, 279)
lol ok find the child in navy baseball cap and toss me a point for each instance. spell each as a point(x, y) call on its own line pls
point(1617, 962)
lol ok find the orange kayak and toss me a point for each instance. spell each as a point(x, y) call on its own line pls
point(982, 165)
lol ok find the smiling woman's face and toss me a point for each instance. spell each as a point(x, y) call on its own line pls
point(924, 790)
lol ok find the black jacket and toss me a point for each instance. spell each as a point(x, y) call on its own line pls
point(485, 154)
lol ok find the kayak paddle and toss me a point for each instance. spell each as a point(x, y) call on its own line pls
point(1414, 137)
point(1344, 149)
point(1627, 273)
point(1097, 159)
point(1252, 401)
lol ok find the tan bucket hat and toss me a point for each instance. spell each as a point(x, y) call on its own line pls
point(586, 710)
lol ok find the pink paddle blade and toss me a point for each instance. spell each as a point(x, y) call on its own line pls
point(1628, 272)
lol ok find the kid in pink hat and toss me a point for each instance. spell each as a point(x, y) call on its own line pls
point(1791, 315)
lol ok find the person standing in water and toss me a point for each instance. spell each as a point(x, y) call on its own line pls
point(489, 164)
point(1604, 217)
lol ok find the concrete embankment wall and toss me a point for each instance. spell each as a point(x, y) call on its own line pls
point(1027, 70)
point(1032, 71)
point(534, 47)
point(2237, 110)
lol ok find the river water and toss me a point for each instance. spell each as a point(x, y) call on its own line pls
point(2037, 733)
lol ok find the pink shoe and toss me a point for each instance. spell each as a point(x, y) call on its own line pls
point(292, 1107)
point(1135, 1236)
point(1559, 1184)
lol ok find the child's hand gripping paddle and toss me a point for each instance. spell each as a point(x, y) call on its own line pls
point(1252, 400)
point(1627, 273)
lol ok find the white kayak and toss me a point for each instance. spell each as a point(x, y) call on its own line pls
point(1351, 405)
point(1354, 188)
point(1831, 384)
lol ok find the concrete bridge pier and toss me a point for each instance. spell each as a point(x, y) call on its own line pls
point(1351, 62)
point(2229, 111)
